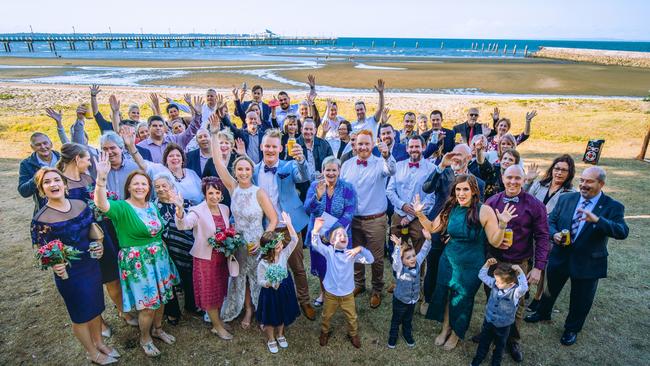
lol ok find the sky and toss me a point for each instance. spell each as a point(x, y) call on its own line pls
point(523, 19)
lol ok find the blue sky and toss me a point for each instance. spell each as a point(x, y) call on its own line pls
point(523, 19)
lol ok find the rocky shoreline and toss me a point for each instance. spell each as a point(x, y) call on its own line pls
point(602, 57)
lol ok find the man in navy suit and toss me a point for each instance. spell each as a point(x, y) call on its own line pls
point(387, 136)
point(278, 178)
point(241, 106)
point(252, 135)
point(591, 217)
point(438, 136)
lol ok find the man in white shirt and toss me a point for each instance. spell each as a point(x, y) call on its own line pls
point(370, 123)
point(369, 174)
point(409, 177)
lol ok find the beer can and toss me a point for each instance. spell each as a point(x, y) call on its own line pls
point(92, 247)
point(507, 237)
point(404, 230)
point(566, 237)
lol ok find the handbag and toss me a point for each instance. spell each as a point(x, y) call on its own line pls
point(96, 233)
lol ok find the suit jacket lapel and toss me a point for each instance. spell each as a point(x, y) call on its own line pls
point(596, 211)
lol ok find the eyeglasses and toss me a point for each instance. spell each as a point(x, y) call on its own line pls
point(556, 169)
point(473, 114)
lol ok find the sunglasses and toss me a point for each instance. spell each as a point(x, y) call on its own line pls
point(473, 114)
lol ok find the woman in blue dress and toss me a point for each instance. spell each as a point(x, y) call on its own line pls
point(469, 225)
point(335, 197)
point(80, 284)
point(75, 165)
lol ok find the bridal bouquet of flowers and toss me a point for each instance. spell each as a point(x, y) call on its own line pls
point(55, 252)
point(227, 241)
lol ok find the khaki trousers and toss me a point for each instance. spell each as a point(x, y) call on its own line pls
point(331, 303)
point(372, 235)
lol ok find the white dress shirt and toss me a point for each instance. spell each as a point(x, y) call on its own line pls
point(369, 182)
point(589, 207)
point(266, 181)
point(370, 124)
point(407, 182)
point(339, 278)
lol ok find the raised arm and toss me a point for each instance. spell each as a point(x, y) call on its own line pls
point(115, 109)
point(422, 254)
point(219, 164)
point(495, 223)
point(94, 90)
point(418, 207)
point(186, 136)
point(183, 221)
point(128, 135)
point(58, 117)
point(397, 253)
point(380, 106)
point(103, 166)
point(287, 250)
point(529, 119)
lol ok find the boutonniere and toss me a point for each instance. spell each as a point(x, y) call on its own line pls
point(283, 175)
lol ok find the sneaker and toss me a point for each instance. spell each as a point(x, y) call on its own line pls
point(206, 318)
point(273, 346)
point(392, 342)
point(409, 340)
point(282, 342)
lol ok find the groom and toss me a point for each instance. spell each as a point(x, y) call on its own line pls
point(278, 178)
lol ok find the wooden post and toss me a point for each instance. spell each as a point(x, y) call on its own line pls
point(644, 147)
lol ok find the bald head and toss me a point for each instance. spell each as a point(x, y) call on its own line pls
point(592, 181)
point(513, 180)
point(459, 161)
point(596, 172)
point(514, 170)
point(462, 149)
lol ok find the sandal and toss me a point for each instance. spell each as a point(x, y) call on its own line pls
point(318, 302)
point(109, 351)
point(160, 334)
point(150, 349)
point(282, 342)
point(273, 346)
point(133, 321)
point(101, 359)
point(223, 334)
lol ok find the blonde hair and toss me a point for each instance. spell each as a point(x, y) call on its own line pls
point(226, 135)
point(272, 133)
point(40, 174)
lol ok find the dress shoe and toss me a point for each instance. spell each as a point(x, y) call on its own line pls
point(391, 288)
point(324, 337)
point(358, 291)
point(375, 301)
point(476, 338)
point(515, 351)
point(533, 306)
point(536, 317)
point(355, 340)
point(309, 311)
point(568, 338)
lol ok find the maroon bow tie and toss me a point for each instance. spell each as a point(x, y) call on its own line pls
point(414, 165)
point(362, 162)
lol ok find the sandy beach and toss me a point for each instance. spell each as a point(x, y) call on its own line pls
point(603, 57)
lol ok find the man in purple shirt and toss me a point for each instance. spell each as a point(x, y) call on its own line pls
point(158, 139)
point(530, 239)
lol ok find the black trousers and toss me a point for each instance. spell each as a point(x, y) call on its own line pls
point(489, 334)
point(431, 275)
point(581, 298)
point(172, 308)
point(402, 315)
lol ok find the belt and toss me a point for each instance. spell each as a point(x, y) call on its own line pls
point(370, 217)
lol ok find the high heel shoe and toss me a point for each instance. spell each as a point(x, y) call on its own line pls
point(165, 337)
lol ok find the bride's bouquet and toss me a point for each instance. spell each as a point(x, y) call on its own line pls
point(227, 241)
point(55, 252)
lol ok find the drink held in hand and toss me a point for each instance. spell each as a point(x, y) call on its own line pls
point(250, 247)
point(507, 238)
point(290, 143)
point(566, 237)
point(92, 249)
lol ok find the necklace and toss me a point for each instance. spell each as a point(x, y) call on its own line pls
point(179, 180)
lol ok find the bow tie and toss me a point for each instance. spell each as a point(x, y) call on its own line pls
point(511, 199)
point(339, 251)
point(362, 162)
point(412, 268)
point(272, 170)
point(414, 165)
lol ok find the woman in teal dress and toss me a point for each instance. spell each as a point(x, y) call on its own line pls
point(469, 226)
point(147, 274)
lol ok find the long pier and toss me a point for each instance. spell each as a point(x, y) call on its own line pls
point(90, 42)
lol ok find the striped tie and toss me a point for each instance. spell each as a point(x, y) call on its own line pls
point(575, 223)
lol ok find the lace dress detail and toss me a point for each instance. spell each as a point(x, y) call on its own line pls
point(248, 216)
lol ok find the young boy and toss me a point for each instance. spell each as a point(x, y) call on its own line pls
point(406, 265)
point(339, 279)
point(508, 286)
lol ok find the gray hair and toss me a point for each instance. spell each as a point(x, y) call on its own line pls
point(602, 175)
point(111, 136)
point(168, 177)
point(134, 106)
point(140, 125)
point(476, 138)
point(330, 160)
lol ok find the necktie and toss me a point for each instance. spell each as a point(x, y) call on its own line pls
point(362, 162)
point(514, 199)
point(272, 170)
point(575, 223)
point(414, 165)
point(471, 134)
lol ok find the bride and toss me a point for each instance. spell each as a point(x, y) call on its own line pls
point(249, 205)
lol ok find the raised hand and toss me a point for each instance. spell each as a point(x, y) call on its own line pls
point(177, 199)
point(242, 93)
point(297, 153)
point(57, 116)
point(115, 103)
point(235, 93)
point(383, 149)
point(530, 115)
point(321, 186)
point(385, 115)
point(490, 262)
point(447, 159)
point(517, 268)
point(311, 81)
point(396, 240)
point(380, 86)
point(197, 105)
point(532, 172)
point(128, 135)
point(94, 90)
point(215, 122)
point(220, 101)
point(240, 147)
point(351, 253)
point(418, 206)
point(188, 99)
point(103, 166)
point(318, 224)
point(507, 214)
point(495, 114)
point(287, 220)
